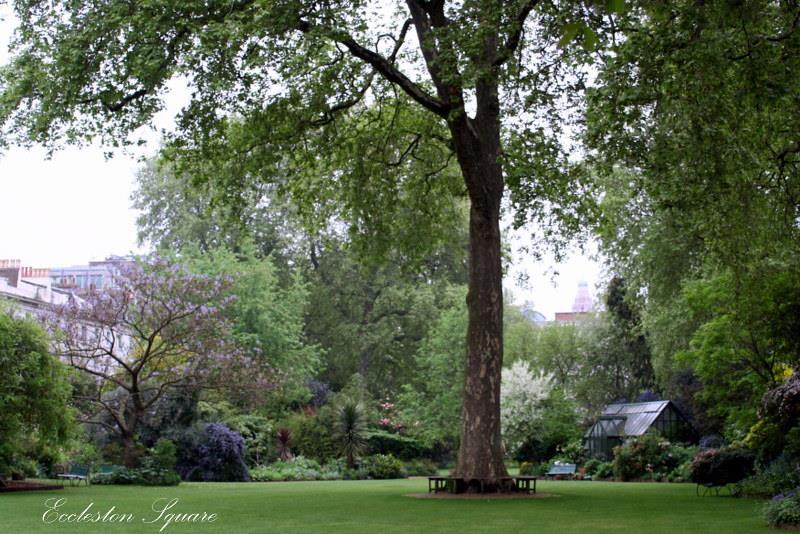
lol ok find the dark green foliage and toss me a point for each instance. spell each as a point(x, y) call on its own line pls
point(372, 319)
point(555, 429)
point(572, 452)
point(139, 476)
point(420, 467)
point(783, 511)
point(157, 469)
point(592, 465)
point(382, 466)
point(527, 468)
point(311, 435)
point(35, 418)
point(430, 405)
point(779, 476)
point(350, 431)
point(694, 123)
point(384, 442)
point(719, 467)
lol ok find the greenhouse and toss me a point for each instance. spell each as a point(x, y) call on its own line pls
point(621, 421)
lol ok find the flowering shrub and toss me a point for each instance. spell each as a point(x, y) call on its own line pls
point(213, 453)
point(649, 457)
point(522, 395)
point(718, 467)
point(783, 510)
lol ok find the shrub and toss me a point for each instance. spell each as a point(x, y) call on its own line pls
point(682, 473)
point(157, 469)
point(381, 466)
point(781, 476)
point(591, 466)
point(162, 456)
point(258, 436)
point(719, 467)
point(141, 476)
point(311, 435)
point(212, 453)
point(297, 469)
point(572, 453)
point(527, 468)
point(403, 447)
point(604, 470)
point(421, 467)
point(649, 456)
point(783, 511)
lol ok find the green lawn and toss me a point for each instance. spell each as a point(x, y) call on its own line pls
point(380, 506)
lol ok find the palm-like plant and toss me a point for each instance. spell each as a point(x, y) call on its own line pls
point(282, 438)
point(351, 431)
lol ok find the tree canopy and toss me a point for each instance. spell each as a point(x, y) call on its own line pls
point(34, 393)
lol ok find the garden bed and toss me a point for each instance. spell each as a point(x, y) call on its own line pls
point(20, 485)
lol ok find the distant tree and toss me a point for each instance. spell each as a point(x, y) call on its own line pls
point(370, 318)
point(430, 404)
point(267, 318)
point(161, 329)
point(35, 410)
point(178, 215)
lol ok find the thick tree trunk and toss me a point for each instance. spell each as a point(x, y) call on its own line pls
point(129, 454)
point(481, 452)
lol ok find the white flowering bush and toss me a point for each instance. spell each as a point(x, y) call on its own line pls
point(523, 406)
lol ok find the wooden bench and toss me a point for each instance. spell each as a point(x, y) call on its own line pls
point(456, 484)
point(438, 483)
point(523, 483)
point(561, 470)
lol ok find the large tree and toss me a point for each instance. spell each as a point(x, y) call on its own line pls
point(360, 104)
point(161, 329)
point(696, 123)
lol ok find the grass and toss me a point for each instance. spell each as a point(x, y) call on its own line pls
point(381, 506)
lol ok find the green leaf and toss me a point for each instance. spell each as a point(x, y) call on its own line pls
point(569, 32)
point(590, 40)
point(615, 6)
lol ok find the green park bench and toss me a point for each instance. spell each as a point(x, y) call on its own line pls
point(76, 473)
point(561, 470)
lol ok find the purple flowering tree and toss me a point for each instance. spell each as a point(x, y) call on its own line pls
point(161, 328)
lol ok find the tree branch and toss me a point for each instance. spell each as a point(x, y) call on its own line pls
point(510, 46)
point(382, 65)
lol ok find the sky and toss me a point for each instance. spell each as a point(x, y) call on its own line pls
point(76, 207)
